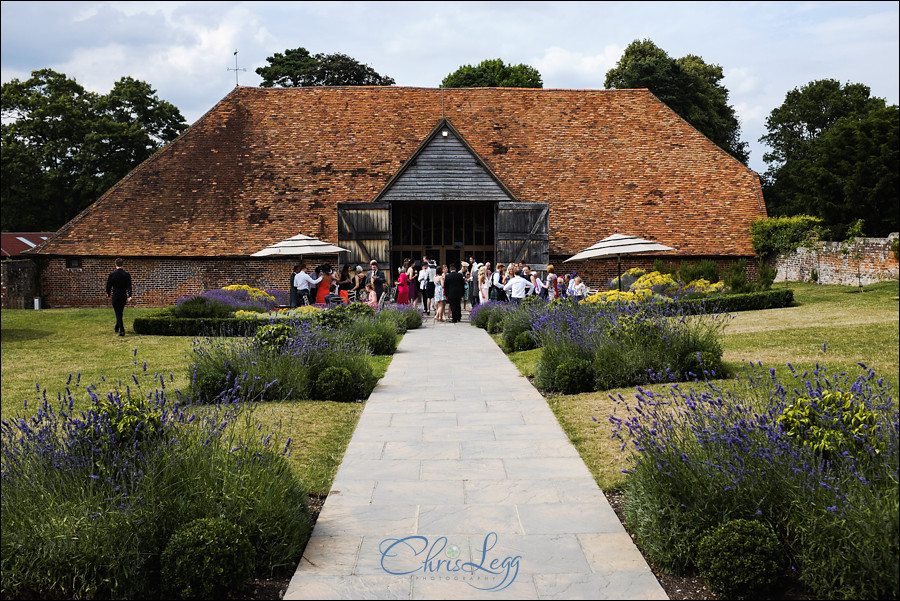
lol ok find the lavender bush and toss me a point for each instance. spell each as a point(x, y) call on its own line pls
point(222, 302)
point(90, 499)
point(704, 456)
point(627, 343)
point(251, 369)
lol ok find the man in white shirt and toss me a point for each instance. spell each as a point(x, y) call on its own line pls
point(304, 283)
point(517, 288)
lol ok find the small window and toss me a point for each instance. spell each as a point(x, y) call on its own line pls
point(73, 263)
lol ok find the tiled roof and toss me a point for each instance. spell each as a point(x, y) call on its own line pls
point(265, 164)
point(14, 243)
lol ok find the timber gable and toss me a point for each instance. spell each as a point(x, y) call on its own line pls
point(445, 168)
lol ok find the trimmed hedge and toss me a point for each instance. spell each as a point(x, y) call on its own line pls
point(208, 326)
point(749, 301)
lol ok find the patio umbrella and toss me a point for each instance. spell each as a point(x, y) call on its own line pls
point(619, 244)
point(299, 245)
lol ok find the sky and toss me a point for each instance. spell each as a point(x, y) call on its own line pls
point(185, 50)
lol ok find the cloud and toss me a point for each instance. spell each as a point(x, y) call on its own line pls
point(562, 68)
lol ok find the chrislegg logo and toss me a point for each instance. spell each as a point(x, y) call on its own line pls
point(418, 556)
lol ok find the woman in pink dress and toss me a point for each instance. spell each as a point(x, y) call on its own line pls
point(403, 289)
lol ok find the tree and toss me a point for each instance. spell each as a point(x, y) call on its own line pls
point(63, 146)
point(297, 68)
point(494, 74)
point(834, 155)
point(689, 86)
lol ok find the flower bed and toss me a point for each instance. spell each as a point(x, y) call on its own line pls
point(92, 500)
point(598, 346)
point(814, 459)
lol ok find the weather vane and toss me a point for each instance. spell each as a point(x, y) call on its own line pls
point(235, 69)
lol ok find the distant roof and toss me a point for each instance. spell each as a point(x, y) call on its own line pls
point(14, 243)
point(266, 163)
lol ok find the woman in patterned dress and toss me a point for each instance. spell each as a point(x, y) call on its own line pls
point(440, 298)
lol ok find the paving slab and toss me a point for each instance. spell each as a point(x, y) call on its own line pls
point(462, 485)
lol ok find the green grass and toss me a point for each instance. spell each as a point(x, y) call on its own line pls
point(854, 327)
point(47, 346)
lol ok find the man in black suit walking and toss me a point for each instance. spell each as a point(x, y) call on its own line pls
point(118, 288)
point(454, 287)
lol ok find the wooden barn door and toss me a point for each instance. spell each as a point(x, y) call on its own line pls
point(523, 232)
point(364, 228)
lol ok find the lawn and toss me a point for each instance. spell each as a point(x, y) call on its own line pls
point(835, 326)
point(46, 347)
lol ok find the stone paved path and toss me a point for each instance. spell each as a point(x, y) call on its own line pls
point(457, 459)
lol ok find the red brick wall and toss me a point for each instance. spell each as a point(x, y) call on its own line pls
point(157, 282)
point(161, 282)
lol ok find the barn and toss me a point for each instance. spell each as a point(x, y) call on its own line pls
point(396, 172)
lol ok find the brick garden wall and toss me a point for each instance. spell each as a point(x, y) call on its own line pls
point(833, 267)
point(158, 282)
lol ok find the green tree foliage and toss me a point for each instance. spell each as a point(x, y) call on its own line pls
point(297, 68)
point(834, 155)
point(689, 86)
point(494, 74)
point(64, 146)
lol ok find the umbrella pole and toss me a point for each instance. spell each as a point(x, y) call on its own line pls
point(619, 257)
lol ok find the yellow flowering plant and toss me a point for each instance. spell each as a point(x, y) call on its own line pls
point(254, 293)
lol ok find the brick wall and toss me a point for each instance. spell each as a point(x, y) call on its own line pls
point(159, 282)
point(833, 267)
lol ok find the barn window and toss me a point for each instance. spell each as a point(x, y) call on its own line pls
point(73, 263)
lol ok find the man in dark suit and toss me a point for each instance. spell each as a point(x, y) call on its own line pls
point(454, 287)
point(118, 288)
point(376, 278)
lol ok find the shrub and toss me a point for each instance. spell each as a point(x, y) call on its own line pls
point(830, 424)
point(751, 301)
point(574, 376)
point(394, 316)
point(704, 270)
point(665, 267)
point(741, 558)
point(336, 384)
point(766, 276)
point(495, 321)
point(736, 277)
point(162, 325)
point(774, 236)
point(513, 323)
point(206, 558)
point(335, 318)
point(628, 278)
point(707, 455)
point(108, 511)
point(379, 335)
point(526, 341)
point(412, 315)
point(360, 309)
point(481, 312)
point(274, 337)
point(200, 306)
